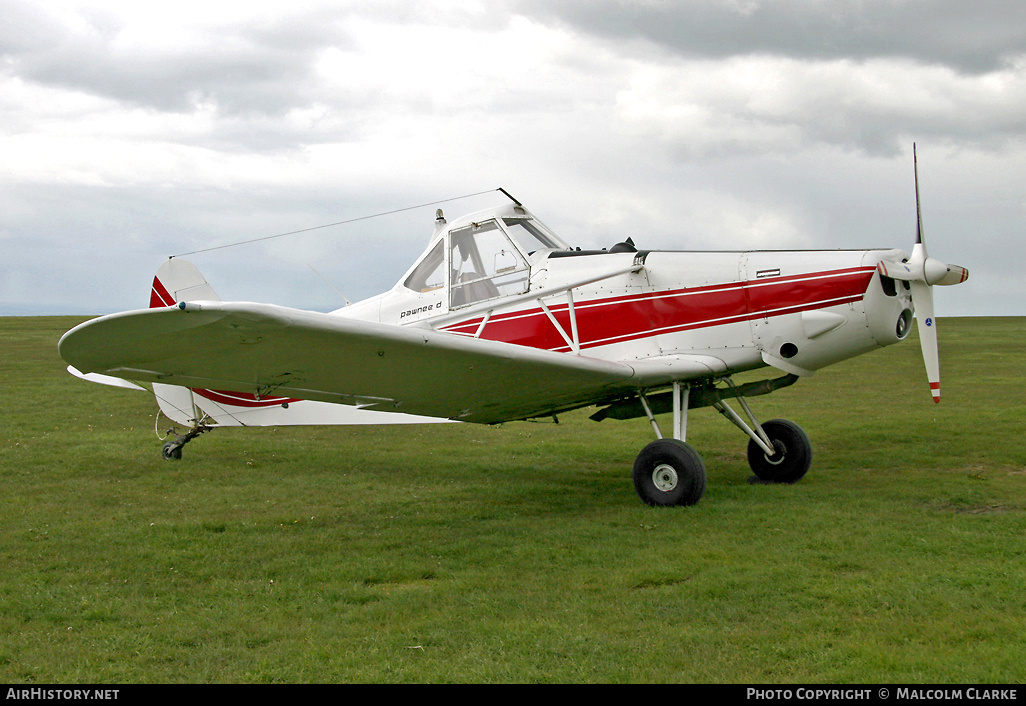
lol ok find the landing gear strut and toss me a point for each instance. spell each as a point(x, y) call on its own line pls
point(671, 472)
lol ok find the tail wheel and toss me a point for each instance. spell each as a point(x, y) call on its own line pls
point(172, 450)
point(792, 459)
point(669, 472)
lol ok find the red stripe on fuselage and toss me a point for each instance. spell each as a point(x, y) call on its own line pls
point(812, 291)
point(242, 399)
point(615, 319)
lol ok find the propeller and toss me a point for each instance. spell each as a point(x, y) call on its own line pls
point(922, 272)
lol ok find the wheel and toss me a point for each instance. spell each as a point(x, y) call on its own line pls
point(172, 451)
point(793, 457)
point(669, 472)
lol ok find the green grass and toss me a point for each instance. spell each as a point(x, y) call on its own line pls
point(519, 553)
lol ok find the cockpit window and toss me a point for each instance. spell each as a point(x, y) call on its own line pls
point(484, 264)
point(429, 275)
point(528, 235)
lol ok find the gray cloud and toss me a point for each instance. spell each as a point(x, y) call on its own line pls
point(976, 37)
point(240, 69)
point(256, 75)
point(763, 104)
point(685, 125)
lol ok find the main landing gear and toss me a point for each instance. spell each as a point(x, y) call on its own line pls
point(670, 472)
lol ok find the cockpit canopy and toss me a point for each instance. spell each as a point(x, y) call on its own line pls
point(483, 259)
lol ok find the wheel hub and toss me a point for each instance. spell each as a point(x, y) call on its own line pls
point(664, 477)
point(777, 458)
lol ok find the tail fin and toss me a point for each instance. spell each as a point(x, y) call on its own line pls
point(177, 281)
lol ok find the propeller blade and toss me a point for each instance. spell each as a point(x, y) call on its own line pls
point(919, 212)
point(922, 299)
point(896, 270)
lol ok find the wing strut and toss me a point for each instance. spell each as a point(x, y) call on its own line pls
point(490, 307)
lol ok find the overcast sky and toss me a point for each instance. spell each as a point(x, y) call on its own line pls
point(132, 131)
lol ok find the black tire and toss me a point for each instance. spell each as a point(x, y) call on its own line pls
point(669, 472)
point(793, 457)
point(172, 451)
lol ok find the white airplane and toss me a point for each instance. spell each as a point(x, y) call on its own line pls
point(500, 320)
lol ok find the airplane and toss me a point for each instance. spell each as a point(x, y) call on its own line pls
point(501, 320)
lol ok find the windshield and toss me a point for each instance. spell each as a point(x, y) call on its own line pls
point(429, 275)
point(529, 236)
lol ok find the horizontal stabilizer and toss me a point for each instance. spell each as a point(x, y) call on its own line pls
point(109, 380)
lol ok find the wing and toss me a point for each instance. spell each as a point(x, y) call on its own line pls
point(275, 351)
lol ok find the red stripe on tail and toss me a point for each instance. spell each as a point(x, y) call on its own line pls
point(159, 296)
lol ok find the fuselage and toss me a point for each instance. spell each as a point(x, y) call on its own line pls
point(501, 275)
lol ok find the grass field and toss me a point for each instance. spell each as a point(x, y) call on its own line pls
point(519, 553)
